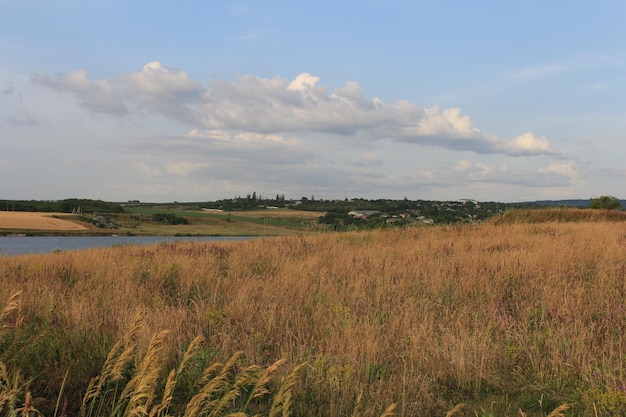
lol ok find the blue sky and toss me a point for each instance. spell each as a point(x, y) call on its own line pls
point(204, 100)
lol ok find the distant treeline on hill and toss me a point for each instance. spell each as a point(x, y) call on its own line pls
point(70, 205)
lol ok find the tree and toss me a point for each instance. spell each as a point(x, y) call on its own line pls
point(606, 202)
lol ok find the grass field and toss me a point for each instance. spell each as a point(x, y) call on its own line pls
point(499, 317)
point(285, 214)
point(243, 223)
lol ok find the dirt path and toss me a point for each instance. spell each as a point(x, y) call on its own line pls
point(36, 221)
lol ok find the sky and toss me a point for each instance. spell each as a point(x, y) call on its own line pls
point(163, 101)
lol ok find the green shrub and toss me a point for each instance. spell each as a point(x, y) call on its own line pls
point(169, 218)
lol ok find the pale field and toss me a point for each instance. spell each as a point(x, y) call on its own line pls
point(36, 221)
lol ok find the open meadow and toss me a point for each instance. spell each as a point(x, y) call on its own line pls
point(496, 319)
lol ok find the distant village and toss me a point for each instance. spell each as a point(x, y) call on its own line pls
point(359, 213)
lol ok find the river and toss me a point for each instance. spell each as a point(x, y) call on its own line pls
point(18, 245)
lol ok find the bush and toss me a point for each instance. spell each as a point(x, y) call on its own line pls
point(169, 218)
point(606, 202)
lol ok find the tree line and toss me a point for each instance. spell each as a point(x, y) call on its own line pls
point(69, 205)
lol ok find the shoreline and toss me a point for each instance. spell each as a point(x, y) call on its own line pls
point(41, 233)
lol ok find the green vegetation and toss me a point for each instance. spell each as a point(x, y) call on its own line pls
point(100, 221)
point(606, 203)
point(71, 205)
point(169, 218)
point(141, 220)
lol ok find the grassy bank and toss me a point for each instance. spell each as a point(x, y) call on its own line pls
point(500, 317)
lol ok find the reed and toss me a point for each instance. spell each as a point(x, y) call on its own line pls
point(500, 317)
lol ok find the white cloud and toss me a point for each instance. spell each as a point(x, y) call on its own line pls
point(448, 122)
point(303, 82)
point(262, 138)
point(424, 173)
point(26, 120)
point(256, 106)
point(484, 169)
point(183, 168)
point(97, 96)
point(225, 151)
point(371, 157)
point(566, 170)
point(528, 144)
point(213, 134)
point(367, 160)
point(462, 166)
point(144, 168)
point(8, 89)
point(248, 137)
point(553, 175)
point(157, 82)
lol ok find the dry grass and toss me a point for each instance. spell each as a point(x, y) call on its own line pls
point(498, 317)
point(560, 215)
point(22, 220)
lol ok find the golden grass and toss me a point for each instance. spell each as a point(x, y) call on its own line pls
point(545, 215)
point(498, 317)
point(22, 220)
point(218, 389)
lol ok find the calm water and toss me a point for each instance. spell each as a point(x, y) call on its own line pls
point(17, 245)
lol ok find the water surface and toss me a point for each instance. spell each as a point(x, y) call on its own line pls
point(17, 245)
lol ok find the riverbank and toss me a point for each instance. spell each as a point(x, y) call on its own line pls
point(139, 222)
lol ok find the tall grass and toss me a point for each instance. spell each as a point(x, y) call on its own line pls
point(131, 384)
point(559, 215)
point(499, 317)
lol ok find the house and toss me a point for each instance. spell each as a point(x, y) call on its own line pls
point(362, 214)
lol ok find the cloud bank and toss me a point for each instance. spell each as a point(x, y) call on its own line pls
point(262, 108)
